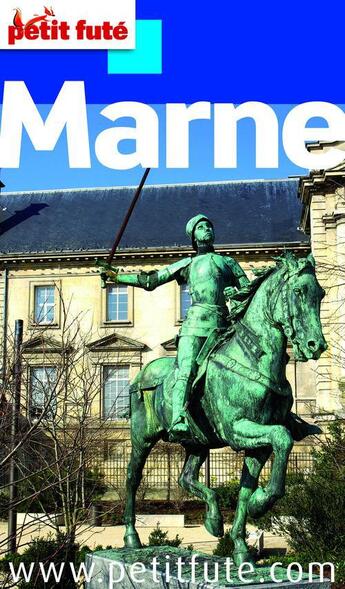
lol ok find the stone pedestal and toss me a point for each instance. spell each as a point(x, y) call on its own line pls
point(164, 567)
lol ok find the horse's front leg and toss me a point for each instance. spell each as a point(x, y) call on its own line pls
point(252, 467)
point(249, 435)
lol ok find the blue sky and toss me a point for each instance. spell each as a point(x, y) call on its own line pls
point(49, 170)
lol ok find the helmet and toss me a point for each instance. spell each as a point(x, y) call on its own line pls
point(191, 225)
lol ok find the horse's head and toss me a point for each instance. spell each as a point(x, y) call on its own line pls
point(297, 307)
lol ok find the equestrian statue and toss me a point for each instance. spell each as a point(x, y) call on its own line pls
point(227, 385)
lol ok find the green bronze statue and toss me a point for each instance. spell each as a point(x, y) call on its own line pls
point(211, 278)
point(239, 396)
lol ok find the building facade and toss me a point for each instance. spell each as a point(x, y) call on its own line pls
point(322, 194)
point(48, 246)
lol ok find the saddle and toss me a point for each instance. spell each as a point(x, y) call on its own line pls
point(160, 375)
point(156, 371)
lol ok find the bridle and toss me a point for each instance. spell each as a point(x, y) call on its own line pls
point(286, 324)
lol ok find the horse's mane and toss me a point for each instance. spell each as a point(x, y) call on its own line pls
point(241, 300)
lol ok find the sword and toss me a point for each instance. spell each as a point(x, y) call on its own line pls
point(122, 229)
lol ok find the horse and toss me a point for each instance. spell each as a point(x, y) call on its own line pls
point(243, 400)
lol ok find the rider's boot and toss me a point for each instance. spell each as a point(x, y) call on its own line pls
point(180, 395)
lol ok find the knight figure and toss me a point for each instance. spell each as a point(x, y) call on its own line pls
point(211, 279)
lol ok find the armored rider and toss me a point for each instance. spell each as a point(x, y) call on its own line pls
point(211, 278)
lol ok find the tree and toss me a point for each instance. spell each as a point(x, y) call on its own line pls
point(311, 515)
point(61, 432)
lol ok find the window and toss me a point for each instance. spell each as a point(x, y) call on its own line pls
point(44, 304)
point(117, 303)
point(42, 391)
point(115, 392)
point(185, 300)
point(44, 311)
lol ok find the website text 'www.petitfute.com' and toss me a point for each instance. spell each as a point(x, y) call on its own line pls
point(115, 572)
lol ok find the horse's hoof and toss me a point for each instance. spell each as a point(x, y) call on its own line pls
point(242, 556)
point(132, 540)
point(215, 526)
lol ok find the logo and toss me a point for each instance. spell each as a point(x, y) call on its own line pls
point(18, 21)
point(71, 26)
point(34, 28)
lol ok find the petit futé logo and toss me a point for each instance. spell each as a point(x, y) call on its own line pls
point(36, 26)
point(39, 27)
point(67, 26)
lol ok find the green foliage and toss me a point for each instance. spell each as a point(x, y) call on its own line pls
point(44, 550)
point(315, 505)
point(284, 507)
point(304, 560)
point(47, 550)
point(84, 550)
point(160, 538)
point(228, 494)
point(225, 546)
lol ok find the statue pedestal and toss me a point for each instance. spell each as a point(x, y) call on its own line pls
point(163, 567)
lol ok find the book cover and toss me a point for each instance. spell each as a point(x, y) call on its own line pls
point(159, 165)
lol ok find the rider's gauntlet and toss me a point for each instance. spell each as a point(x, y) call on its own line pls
point(148, 280)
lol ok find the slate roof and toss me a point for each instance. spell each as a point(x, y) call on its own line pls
point(248, 212)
